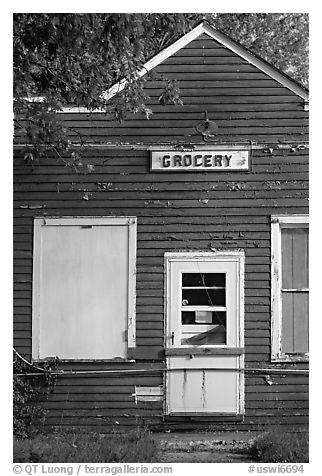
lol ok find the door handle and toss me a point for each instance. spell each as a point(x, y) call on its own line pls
point(172, 338)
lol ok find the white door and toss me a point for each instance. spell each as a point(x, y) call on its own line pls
point(204, 337)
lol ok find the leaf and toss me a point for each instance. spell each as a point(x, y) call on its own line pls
point(28, 158)
point(90, 168)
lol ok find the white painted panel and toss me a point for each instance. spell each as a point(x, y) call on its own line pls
point(83, 292)
point(148, 394)
point(206, 390)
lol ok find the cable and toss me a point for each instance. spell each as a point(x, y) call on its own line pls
point(64, 373)
point(29, 363)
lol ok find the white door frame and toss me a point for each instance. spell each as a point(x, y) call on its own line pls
point(237, 256)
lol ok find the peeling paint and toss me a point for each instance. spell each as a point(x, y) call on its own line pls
point(268, 380)
point(235, 186)
point(184, 387)
point(203, 388)
point(87, 196)
point(173, 237)
point(32, 207)
point(158, 202)
point(102, 185)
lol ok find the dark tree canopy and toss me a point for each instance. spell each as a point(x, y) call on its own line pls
point(282, 39)
point(71, 59)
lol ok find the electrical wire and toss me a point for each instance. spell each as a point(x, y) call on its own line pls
point(69, 373)
point(29, 363)
point(64, 373)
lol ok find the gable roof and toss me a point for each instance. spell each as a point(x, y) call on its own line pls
point(205, 28)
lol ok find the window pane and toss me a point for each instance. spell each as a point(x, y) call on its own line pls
point(204, 279)
point(287, 323)
point(295, 311)
point(191, 317)
point(287, 258)
point(203, 297)
point(188, 317)
point(301, 322)
point(300, 258)
point(295, 272)
point(216, 335)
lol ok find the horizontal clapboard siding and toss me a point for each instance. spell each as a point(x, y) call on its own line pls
point(244, 205)
point(175, 212)
point(245, 103)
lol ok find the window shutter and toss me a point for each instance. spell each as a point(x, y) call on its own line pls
point(295, 302)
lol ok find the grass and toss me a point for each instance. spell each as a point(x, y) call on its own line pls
point(139, 446)
point(136, 446)
point(279, 446)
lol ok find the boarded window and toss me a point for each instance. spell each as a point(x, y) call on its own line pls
point(290, 288)
point(82, 279)
point(295, 284)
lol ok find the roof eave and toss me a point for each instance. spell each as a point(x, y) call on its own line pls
point(205, 27)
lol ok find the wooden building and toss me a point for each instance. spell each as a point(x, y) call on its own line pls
point(169, 274)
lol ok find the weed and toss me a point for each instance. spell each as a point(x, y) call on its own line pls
point(279, 446)
point(136, 446)
point(29, 392)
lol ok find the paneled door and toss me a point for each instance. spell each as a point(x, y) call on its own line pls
point(204, 334)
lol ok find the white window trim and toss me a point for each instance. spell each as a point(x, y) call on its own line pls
point(131, 222)
point(277, 223)
point(235, 256)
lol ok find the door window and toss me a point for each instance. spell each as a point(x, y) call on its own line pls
point(203, 308)
point(204, 299)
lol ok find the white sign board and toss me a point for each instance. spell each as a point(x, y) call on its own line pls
point(200, 160)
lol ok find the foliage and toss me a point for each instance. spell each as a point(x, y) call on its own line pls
point(28, 394)
point(279, 446)
point(73, 59)
point(279, 38)
point(136, 446)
